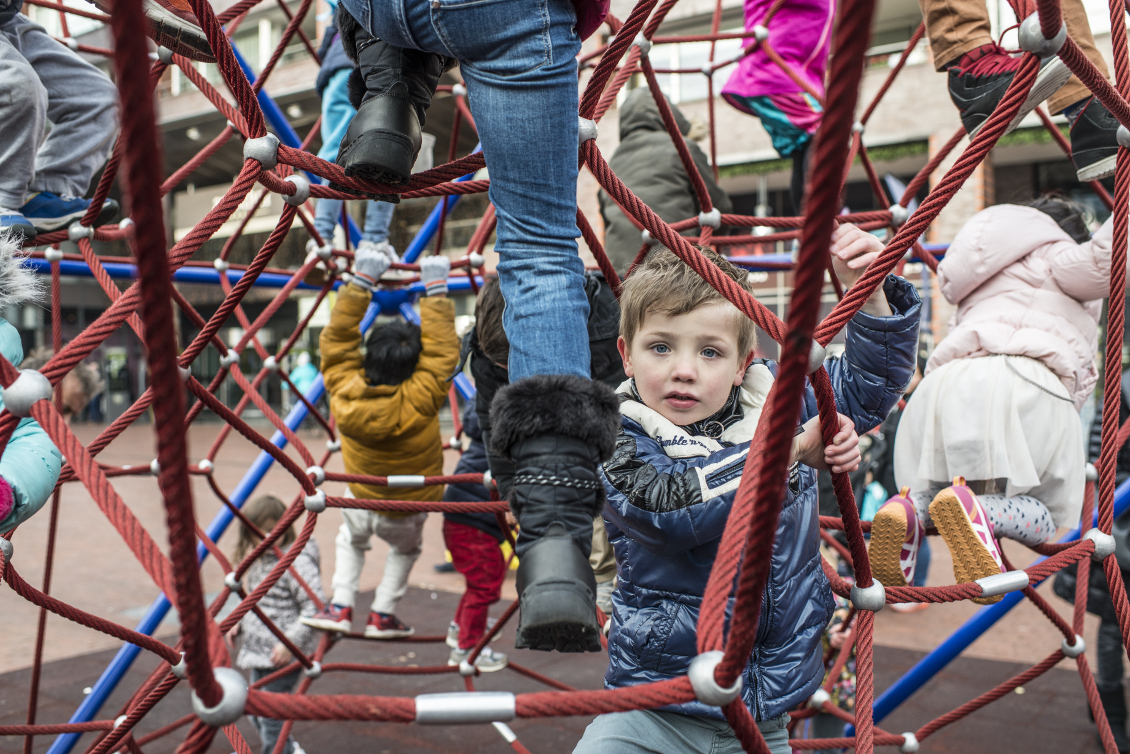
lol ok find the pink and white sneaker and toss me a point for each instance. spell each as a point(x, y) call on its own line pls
point(332, 617)
point(896, 535)
point(966, 528)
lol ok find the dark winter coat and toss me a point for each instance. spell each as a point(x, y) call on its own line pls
point(605, 365)
point(669, 499)
point(648, 163)
point(473, 461)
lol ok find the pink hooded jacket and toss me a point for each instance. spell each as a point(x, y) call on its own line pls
point(1023, 287)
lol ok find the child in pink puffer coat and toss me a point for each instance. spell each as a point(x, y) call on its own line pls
point(999, 405)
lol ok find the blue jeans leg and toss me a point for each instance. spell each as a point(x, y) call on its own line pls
point(337, 112)
point(922, 565)
point(518, 58)
point(378, 216)
point(270, 729)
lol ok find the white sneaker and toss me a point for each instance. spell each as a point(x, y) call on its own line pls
point(488, 660)
point(453, 635)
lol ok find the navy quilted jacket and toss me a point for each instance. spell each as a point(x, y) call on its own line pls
point(669, 497)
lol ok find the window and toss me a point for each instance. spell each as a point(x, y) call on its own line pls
point(688, 87)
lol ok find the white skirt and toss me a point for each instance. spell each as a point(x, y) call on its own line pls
point(995, 417)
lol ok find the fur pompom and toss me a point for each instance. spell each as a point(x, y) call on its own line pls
point(18, 284)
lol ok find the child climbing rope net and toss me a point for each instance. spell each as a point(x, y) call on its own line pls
point(220, 694)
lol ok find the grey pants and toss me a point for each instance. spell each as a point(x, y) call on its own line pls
point(1109, 664)
point(268, 728)
point(826, 726)
point(654, 732)
point(44, 80)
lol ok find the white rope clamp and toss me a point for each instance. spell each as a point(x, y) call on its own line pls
point(1002, 583)
point(706, 689)
point(27, 390)
point(899, 215)
point(871, 598)
point(265, 149)
point(713, 218)
point(231, 704)
point(909, 744)
point(586, 130)
point(1104, 543)
point(76, 231)
point(1032, 38)
point(462, 707)
point(1073, 650)
point(301, 192)
point(318, 473)
point(643, 43)
point(315, 503)
point(53, 255)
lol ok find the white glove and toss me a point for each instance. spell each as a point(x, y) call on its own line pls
point(368, 266)
point(433, 274)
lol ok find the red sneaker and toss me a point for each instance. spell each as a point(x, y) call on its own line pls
point(386, 626)
point(172, 24)
point(965, 527)
point(332, 618)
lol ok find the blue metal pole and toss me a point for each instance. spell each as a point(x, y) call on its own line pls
point(969, 632)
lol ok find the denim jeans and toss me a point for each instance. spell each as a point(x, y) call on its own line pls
point(269, 728)
point(518, 59)
point(659, 732)
point(337, 112)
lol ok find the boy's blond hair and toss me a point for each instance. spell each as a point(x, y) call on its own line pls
point(665, 284)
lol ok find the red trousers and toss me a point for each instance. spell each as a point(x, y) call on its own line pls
point(477, 556)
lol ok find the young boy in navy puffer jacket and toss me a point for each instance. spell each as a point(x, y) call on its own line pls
point(689, 412)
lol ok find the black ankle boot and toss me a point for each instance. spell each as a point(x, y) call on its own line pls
point(1114, 705)
point(392, 89)
point(557, 429)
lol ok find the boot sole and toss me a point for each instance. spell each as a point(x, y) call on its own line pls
point(971, 561)
point(1098, 170)
point(1048, 81)
point(553, 620)
point(340, 627)
point(380, 157)
point(372, 633)
point(178, 35)
point(888, 535)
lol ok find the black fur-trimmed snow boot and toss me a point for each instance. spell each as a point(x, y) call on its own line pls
point(1114, 705)
point(391, 88)
point(557, 429)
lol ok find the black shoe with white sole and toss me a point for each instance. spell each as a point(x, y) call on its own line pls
point(1094, 142)
point(979, 79)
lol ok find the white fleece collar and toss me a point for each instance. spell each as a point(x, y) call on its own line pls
point(678, 443)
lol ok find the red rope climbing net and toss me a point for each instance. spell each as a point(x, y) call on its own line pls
point(749, 534)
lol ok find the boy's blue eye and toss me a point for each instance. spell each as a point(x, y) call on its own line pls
point(709, 353)
point(660, 348)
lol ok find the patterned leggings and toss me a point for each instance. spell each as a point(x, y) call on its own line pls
point(1020, 517)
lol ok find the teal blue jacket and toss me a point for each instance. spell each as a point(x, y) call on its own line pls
point(31, 462)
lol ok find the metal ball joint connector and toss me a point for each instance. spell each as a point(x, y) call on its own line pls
point(265, 149)
point(53, 255)
point(206, 466)
point(318, 473)
point(458, 90)
point(488, 480)
point(1104, 543)
point(271, 364)
point(816, 357)
point(586, 130)
point(643, 43)
point(221, 265)
point(858, 127)
point(816, 701)
point(899, 215)
point(1073, 650)
point(231, 582)
point(314, 671)
point(466, 669)
point(333, 446)
point(165, 55)
point(76, 231)
point(476, 260)
point(706, 689)
point(302, 190)
point(184, 372)
point(154, 467)
point(180, 670)
point(1123, 136)
point(1091, 474)
point(871, 598)
point(713, 218)
point(315, 503)
point(231, 704)
point(760, 33)
point(119, 720)
point(229, 359)
point(29, 388)
point(324, 252)
point(909, 744)
point(6, 550)
point(646, 237)
point(1032, 38)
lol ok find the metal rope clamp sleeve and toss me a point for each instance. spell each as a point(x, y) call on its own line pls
point(26, 390)
point(1073, 650)
point(1031, 37)
point(315, 503)
point(706, 689)
point(7, 549)
point(464, 707)
point(586, 130)
point(231, 704)
point(713, 218)
point(1002, 583)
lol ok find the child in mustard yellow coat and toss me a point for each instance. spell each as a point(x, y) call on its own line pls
point(386, 404)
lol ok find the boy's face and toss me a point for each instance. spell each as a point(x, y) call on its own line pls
point(685, 365)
